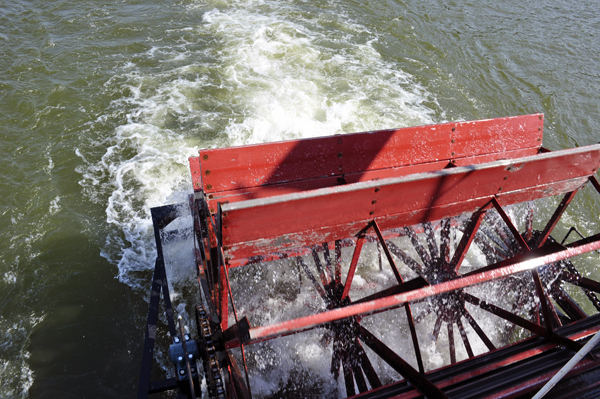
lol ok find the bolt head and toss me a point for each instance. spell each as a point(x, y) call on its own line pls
point(180, 358)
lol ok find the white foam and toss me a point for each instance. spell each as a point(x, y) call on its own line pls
point(294, 79)
point(265, 74)
point(15, 373)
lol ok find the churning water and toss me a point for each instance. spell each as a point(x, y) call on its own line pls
point(102, 102)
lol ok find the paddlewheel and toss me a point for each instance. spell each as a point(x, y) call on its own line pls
point(436, 234)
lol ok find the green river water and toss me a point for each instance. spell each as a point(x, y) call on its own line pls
point(101, 103)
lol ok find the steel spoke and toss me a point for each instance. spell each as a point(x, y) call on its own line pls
point(445, 240)
point(529, 222)
point(431, 241)
point(478, 330)
point(506, 315)
point(328, 261)
point(418, 380)
point(465, 339)
point(500, 244)
point(567, 304)
point(348, 378)
point(501, 229)
point(312, 278)
point(542, 297)
point(319, 266)
point(338, 262)
point(367, 366)
point(361, 383)
point(404, 257)
point(436, 329)
point(492, 252)
point(451, 347)
point(336, 358)
point(425, 258)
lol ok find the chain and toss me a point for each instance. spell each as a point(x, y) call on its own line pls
point(212, 368)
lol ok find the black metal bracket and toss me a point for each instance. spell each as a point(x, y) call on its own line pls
point(161, 217)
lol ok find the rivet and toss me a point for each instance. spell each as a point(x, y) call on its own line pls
point(371, 213)
point(224, 213)
point(453, 129)
point(225, 226)
point(340, 168)
point(374, 202)
point(377, 189)
point(227, 239)
point(453, 140)
point(212, 211)
point(505, 177)
point(339, 179)
point(539, 139)
point(227, 259)
point(500, 189)
point(197, 184)
point(208, 186)
point(225, 247)
point(205, 157)
point(539, 128)
point(453, 161)
point(540, 117)
point(339, 141)
point(207, 172)
point(211, 196)
point(452, 153)
point(339, 154)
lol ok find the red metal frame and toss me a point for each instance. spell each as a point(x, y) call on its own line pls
point(374, 186)
point(394, 202)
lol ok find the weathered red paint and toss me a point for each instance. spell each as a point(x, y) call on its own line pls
point(338, 212)
point(279, 200)
point(256, 165)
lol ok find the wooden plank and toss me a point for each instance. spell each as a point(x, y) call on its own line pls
point(256, 226)
point(313, 184)
point(234, 168)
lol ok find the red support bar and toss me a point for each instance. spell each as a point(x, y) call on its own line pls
point(353, 263)
point(394, 301)
point(388, 255)
point(467, 238)
point(556, 217)
point(513, 229)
